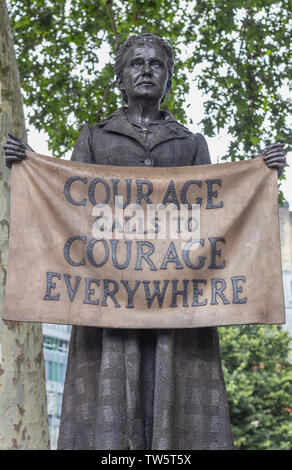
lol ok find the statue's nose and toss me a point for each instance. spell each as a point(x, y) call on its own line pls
point(146, 69)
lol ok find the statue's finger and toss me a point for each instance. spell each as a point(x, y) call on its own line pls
point(281, 161)
point(11, 160)
point(262, 153)
point(275, 165)
point(274, 153)
point(14, 158)
point(10, 146)
point(18, 141)
point(12, 153)
point(12, 135)
point(275, 145)
point(15, 137)
point(276, 159)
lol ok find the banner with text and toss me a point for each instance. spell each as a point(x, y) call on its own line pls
point(136, 247)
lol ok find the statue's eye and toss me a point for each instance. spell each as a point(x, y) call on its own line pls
point(156, 63)
point(137, 62)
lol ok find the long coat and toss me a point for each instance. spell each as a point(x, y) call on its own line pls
point(143, 389)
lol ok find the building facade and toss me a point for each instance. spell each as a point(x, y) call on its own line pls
point(287, 282)
point(56, 341)
point(285, 221)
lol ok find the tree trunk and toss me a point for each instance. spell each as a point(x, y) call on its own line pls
point(23, 411)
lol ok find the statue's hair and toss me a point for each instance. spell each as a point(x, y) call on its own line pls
point(143, 40)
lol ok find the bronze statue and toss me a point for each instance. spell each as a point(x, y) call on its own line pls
point(143, 389)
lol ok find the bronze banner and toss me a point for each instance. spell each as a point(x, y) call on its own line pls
point(132, 247)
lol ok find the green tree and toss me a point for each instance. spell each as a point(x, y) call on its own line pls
point(258, 378)
point(243, 46)
point(245, 49)
point(61, 47)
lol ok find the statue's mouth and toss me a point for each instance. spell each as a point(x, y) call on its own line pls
point(147, 83)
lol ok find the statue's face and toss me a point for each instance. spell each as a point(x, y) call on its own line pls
point(145, 74)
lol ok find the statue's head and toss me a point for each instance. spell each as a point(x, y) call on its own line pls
point(145, 40)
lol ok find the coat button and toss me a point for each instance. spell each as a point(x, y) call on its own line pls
point(147, 161)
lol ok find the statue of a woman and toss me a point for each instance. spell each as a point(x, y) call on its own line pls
point(143, 389)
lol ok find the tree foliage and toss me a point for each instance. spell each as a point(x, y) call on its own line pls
point(258, 377)
point(66, 53)
point(245, 49)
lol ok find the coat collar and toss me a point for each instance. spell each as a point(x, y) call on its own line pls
point(167, 128)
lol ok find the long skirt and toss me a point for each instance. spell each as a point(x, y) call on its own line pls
point(144, 389)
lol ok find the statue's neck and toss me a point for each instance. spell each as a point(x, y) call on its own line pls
point(143, 112)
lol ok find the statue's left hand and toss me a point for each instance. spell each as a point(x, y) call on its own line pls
point(274, 157)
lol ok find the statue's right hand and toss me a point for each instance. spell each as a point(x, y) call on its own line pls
point(14, 149)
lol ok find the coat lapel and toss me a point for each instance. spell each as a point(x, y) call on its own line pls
point(120, 125)
point(166, 130)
